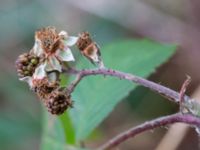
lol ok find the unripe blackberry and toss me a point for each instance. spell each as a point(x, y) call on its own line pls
point(57, 102)
point(26, 64)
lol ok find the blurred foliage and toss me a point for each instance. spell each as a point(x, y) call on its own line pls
point(20, 113)
point(142, 98)
point(96, 97)
point(16, 117)
point(53, 137)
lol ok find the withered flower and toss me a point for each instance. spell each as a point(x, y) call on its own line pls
point(43, 87)
point(53, 47)
point(42, 65)
point(89, 49)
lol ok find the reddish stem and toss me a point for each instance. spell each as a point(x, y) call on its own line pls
point(162, 90)
point(162, 121)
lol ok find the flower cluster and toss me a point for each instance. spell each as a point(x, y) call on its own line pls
point(42, 65)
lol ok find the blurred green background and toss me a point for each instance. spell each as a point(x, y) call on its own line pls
point(164, 21)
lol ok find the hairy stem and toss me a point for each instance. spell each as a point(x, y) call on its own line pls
point(162, 121)
point(164, 91)
point(191, 106)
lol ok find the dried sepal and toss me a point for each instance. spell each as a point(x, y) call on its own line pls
point(84, 41)
point(43, 88)
point(89, 49)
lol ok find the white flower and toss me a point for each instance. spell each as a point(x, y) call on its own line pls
point(37, 49)
point(53, 47)
point(68, 40)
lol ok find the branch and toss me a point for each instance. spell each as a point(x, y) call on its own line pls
point(162, 121)
point(164, 91)
point(191, 105)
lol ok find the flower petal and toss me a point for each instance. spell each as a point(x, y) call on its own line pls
point(70, 40)
point(37, 49)
point(53, 64)
point(65, 55)
point(40, 72)
point(27, 79)
point(63, 33)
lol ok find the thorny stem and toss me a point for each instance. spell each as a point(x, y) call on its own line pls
point(164, 91)
point(170, 94)
point(162, 121)
point(72, 86)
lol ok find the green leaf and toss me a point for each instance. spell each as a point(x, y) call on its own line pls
point(96, 96)
point(68, 128)
point(55, 145)
point(19, 115)
point(58, 132)
point(65, 119)
point(53, 137)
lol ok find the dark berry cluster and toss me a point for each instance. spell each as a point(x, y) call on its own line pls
point(58, 101)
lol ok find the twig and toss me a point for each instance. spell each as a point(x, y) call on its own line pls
point(72, 86)
point(182, 92)
point(162, 121)
point(164, 91)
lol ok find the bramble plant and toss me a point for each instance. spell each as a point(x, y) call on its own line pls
point(44, 65)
